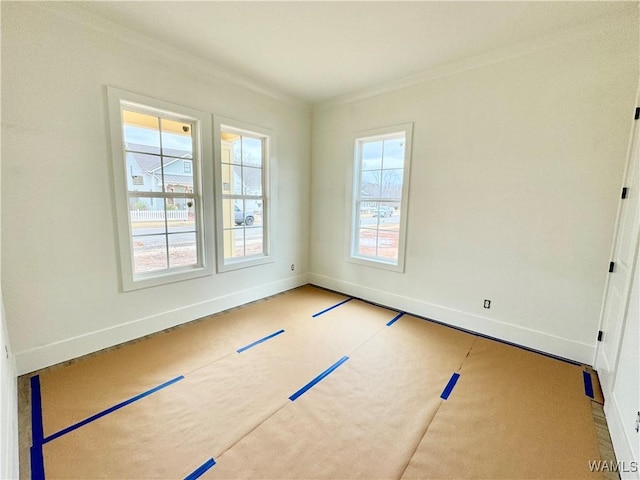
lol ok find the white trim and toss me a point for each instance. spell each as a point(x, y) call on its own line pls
point(353, 186)
point(533, 339)
point(9, 443)
point(574, 34)
point(634, 141)
point(74, 12)
point(170, 55)
point(203, 177)
point(621, 443)
point(40, 357)
point(269, 199)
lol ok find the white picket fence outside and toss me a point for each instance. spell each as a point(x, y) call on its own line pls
point(158, 215)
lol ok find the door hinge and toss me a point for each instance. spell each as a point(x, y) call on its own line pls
point(611, 266)
point(624, 192)
point(637, 113)
point(600, 334)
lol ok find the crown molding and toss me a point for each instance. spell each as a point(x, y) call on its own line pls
point(609, 23)
point(74, 12)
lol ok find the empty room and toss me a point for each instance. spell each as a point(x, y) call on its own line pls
point(337, 240)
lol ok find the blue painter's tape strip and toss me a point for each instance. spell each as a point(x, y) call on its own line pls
point(452, 383)
point(331, 308)
point(37, 462)
point(318, 378)
point(111, 410)
point(257, 342)
point(588, 384)
point(37, 430)
point(394, 319)
point(198, 472)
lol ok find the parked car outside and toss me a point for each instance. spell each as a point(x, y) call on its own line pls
point(240, 217)
point(383, 211)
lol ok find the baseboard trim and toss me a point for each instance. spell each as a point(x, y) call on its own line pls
point(621, 443)
point(527, 338)
point(45, 356)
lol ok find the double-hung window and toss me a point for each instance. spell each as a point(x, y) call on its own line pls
point(243, 202)
point(159, 151)
point(380, 196)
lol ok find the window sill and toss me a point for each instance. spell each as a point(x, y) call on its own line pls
point(230, 265)
point(371, 262)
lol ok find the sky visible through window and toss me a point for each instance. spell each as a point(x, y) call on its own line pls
point(151, 137)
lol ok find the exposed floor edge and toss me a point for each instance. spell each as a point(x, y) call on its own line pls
point(471, 332)
point(31, 361)
point(605, 445)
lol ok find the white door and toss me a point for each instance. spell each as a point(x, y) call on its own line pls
point(619, 284)
point(617, 357)
point(622, 408)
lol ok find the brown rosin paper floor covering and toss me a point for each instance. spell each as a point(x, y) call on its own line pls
point(378, 414)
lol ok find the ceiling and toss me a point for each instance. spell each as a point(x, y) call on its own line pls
point(320, 50)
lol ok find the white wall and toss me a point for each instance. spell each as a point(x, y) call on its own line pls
point(60, 263)
point(8, 388)
point(8, 405)
point(515, 179)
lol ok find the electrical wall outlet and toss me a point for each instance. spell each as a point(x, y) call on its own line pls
point(487, 303)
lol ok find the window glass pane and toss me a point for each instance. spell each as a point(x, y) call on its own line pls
point(253, 238)
point(368, 214)
point(175, 180)
point(386, 213)
point(227, 149)
point(367, 241)
point(231, 179)
point(252, 213)
point(143, 172)
point(176, 138)
point(181, 215)
point(146, 215)
point(240, 214)
point(252, 181)
point(388, 244)
point(251, 151)
point(236, 180)
point(149, 253)
point(141, 132)
point(236, 149)
point(371, 155)
point(226, 177)
point(370, 183)
point(234, 243)
point(391, 186)
point(393, 153)
point(229, 209)
point(182, 249)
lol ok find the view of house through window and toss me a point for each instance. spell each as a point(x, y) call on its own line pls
point(242, 165)
point(161, 192)
point(380, 197)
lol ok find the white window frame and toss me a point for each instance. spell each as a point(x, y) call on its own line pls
point(354, 179)
point(235, 126)
point(203, 182)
